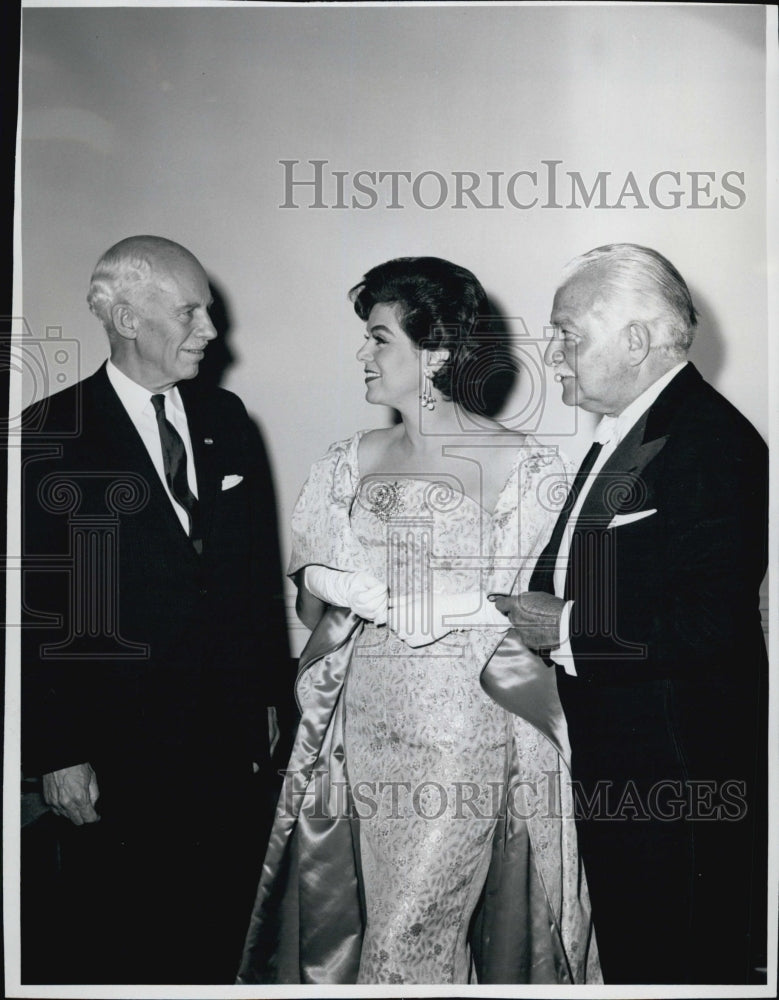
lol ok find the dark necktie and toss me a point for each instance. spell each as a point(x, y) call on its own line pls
point(174, 457)
point(543, 574)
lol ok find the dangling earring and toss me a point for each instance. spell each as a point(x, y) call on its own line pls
point(427, 398)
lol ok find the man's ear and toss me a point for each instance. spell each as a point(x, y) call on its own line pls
point(638, 341)
point(124, 320)
point(434, 359)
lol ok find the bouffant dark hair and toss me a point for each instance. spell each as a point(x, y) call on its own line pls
point(439, 304)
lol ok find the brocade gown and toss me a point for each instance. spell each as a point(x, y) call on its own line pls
point(434, 764)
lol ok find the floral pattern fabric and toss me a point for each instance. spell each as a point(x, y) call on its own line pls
point(427, 749)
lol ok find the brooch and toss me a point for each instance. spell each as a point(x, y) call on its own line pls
point(386, 500)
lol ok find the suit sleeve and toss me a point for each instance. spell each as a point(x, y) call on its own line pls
point(57, 726)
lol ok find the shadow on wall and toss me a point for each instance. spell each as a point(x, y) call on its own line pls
point(708, 352)
point(218, 357)
point(217, 361)
point(490, 374)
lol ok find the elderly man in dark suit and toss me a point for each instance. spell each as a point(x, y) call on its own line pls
point(154, 646)
point(646, 598)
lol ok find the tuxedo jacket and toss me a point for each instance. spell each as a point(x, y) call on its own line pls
point(670, 547)
point(138, 652)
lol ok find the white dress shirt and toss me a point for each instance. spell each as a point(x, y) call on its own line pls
point(137, 402)
point(610, 432)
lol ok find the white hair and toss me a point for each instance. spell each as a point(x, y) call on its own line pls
point(650, 277)
point(127, 263)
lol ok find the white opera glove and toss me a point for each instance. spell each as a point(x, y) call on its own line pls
point(359, 591)
point(424, 619)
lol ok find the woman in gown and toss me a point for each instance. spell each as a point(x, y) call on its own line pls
point(424, 833)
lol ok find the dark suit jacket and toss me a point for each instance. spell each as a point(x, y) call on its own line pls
point(153, 663)
point(673, 594)
point(669, 702)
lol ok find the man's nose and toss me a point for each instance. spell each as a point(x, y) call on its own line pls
point(553, 355)
point(206, 328)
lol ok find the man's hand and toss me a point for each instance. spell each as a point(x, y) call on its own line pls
point(72, 792)
point(537, 616)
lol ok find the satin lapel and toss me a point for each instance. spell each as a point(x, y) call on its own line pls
point(206, 443)
point(121, 441)
point(619, 484)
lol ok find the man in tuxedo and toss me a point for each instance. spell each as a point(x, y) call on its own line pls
point(646, 599)
point(154, 644)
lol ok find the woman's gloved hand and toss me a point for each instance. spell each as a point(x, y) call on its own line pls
point(359, 591)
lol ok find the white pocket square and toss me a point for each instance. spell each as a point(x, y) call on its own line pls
point(229, 481)
point(619, 519)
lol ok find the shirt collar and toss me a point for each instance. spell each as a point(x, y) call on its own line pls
point(133, 396)
point(614, 429)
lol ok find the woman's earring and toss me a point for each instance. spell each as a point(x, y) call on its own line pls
point(427, 398)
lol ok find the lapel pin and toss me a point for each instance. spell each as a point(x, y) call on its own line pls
point(208, 440)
